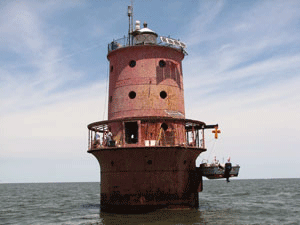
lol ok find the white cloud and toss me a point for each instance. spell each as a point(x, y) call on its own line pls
point(245, 58)
point(42, 116)
point(42, 77)
point(207, 13)
point(247, 80)
point(53, 129)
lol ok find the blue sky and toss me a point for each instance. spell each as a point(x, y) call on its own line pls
point(242, 72)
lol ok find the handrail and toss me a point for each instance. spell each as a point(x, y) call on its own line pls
point(189, 123)
point(124, 42)
point(193, 137)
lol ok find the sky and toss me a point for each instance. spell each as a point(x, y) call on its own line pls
point(242, 71)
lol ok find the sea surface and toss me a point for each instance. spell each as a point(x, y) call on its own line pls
point(269, 201)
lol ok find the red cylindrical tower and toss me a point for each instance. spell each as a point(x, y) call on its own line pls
point(145, 80)
point(147, 149)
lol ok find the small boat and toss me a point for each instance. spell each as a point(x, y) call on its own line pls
point(216, 170)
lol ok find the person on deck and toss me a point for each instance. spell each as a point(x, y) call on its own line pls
point(105, 138)
point(215, 161)
point(228, 168)
point(109, 138)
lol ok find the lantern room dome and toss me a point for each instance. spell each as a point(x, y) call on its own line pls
point(145, 30)
point(144, 35)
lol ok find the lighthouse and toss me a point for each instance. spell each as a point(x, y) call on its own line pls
point(147, 149)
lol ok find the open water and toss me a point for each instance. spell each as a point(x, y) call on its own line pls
point(271, 201)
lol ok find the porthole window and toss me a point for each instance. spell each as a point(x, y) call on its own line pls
point(132, 63)
point(132, 95)
point(163, 94)
point(162, 63)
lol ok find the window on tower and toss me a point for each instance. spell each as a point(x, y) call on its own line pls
point(162, 63)
point(132, 63)
point(163, 94)
point(132, 94)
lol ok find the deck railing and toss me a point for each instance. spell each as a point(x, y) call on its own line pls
point(124, 42)
point(192, 136)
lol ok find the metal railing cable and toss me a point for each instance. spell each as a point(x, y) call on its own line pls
point(106, 90)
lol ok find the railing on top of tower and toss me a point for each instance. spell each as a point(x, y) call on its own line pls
point(163, 137)
point(127, 41)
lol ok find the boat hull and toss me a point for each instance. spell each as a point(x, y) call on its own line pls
point(217, 171)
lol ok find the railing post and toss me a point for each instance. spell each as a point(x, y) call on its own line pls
point(89, 140)
point(203, 141)
point(193, 136)
point(123, 136)
point(197, 138)
point(187, 138)
point(139, 133)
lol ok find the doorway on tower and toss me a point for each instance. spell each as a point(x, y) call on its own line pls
point(131, 132)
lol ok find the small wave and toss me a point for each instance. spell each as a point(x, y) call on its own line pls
point(284, 194)
point(90, 206)
point(239, 194)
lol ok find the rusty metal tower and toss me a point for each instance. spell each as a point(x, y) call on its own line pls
point(147, 149)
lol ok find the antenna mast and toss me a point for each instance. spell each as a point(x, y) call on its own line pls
point(130, 17)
